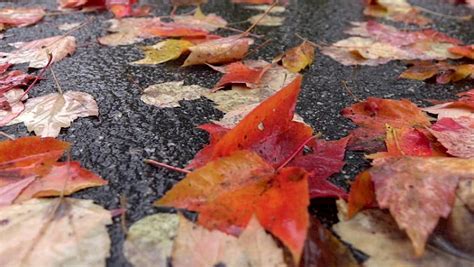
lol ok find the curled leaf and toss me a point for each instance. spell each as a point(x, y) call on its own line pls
point(297, 58)
point(443, 71)
point(397, 10)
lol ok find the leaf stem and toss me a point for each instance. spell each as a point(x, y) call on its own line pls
point(293, 155)
point(166, 166)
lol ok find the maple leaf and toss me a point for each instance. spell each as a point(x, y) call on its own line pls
point(465, 51)
point(36, 52)
point(373, 43)
point(323, 248)
point(464, 106)
point(418, 191)
point(268, 130)
point(372, 116)
point(123, 10)
point(54, 232)
point(172, 29)
point(21, 16)
point(164, 51)
point(456, 135)
point(228, 191)
point(297, 58)
point(168, 95)
point(29, 169)
point(46, 115)
point(407, 141)
point(361, 195)
point(325, 159)
point(129, 31)
point(150, 240)
point(210, 22)
point(377, 235)
point(200, 247)
point(240, 73)
point(445, 72)
point(219, 51)
point(397, 10)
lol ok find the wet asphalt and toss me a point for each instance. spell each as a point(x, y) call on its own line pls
point(128, 131)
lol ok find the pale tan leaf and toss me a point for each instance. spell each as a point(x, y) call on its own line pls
point(445, 111)
point(129, 31)
point(68, 26)
point(267, 20)
point(150, 241)
point(168, 95)
point(36, 52)
point(275, 9)
point(376, 234)
point(12, 97)
point(54, 232)
point(46, 115)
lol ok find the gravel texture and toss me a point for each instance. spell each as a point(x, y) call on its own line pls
point(128, 131)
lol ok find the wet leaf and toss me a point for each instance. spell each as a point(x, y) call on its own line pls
point(168, 95)
point(46, 115)
point(228, 191)
point(54, 232)
point(209, 22)
point(36, 52)
point(200, 247)
point(418, 191)
point(465, 51)
point(372, 116)
point(361, 195)
point(224, 50)
point(129, 31)
point(325, 159)
point(150, 240)
point(297, 58)
point(444, 72)
point(373, 43)
point(267, 20)
point(376, 234)
point(269, 130)
point(240, 73)
point(463, 107)
point(164, 51)
point(397, 10)
point(21, 16)
point(322, 248)
point(456, 135)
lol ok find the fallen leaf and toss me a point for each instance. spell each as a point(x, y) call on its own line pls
point(377, 235)
point(54, 232)
point(240, 73)
point(11, 105)
point(168, 95)
point(197, 246)
point(373, 43)
point(456, 135)
point(418, 191)
point(443, 71)
point(219, 51)
point(228, 191)
point(187, 2)
point(361, 195)
point(260, 2)
point(164, 51)
point(269, 130)
point(46, 115)
point(82, 3)
point(406, 141)
point(64, 178)
point(209, 22)
point(323, 248)
point(267, 20)
point(465, 51)
point(372, 116)
point(124, 8)
point(10, 192)
point(36, 52)
point(150, 240)
point(297, 58)
point(397, 10)
point(172, 29)
point(129, 31)
point(463, 107)
point(68, 26)
point(325, 159)
point(21, 16)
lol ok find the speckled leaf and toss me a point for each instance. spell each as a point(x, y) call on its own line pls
point(46, 115)
point(418, 191)
point(150, 240)
point(36, 52)
point(54, 232)
point(168, 95)
point(377, 235)
point(456, 134)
